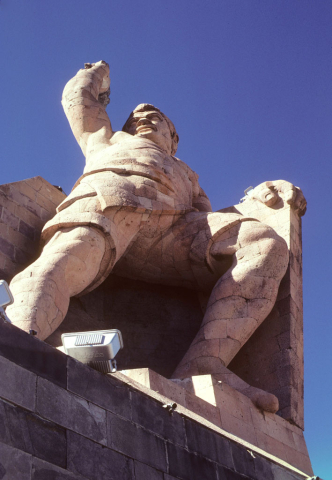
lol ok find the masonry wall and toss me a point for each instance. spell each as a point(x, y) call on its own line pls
point(25, 207)
point(62, 420)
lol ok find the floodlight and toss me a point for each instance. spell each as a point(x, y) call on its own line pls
point(96, 349)
point(6, 298)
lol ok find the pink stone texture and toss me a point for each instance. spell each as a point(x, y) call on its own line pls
point(272, 359)
point(25, 206)
point(138, 212)
point(227, 408)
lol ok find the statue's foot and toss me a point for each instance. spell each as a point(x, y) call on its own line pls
point(263, 400)
point(213, 366)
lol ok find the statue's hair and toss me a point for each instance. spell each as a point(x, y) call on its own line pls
point(146, 107)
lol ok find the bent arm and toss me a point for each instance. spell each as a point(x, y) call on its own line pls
point(84, 105)
point(201, 201)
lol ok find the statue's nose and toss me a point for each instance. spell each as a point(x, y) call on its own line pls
point(142, 121)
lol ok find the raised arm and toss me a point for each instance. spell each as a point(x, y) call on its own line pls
point(84, 101)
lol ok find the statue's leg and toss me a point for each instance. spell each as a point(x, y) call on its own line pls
point(241, 299)
point(68, 264)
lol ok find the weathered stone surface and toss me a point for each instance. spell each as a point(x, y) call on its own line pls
point(208, 444)
point(71, 411)
point(189, 466)
point(32, 434)
point(152, 416)
point(225, 407)
point(17, 384)
point(95, 461)
point(144, 472)
point(226, 474)
point(243, 460)
point(42, 470)
point(263, 469)
point(38, 445)
point(282, 474)
point(22, 217)
point(134, 441)
point(14, 464)
point(32, 354)
point(103, 390)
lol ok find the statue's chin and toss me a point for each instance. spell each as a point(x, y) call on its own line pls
point(151, 135)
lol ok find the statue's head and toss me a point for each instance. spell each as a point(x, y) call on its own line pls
point(149, 122)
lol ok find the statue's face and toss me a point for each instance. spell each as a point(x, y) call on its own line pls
point(151, 125)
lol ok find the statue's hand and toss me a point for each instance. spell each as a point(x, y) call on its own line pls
point(270, 192)
point(103, 69)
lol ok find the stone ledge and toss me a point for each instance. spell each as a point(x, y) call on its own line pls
point(233, 412)
point(143, 441)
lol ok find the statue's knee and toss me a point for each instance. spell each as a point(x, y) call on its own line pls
point(271, 243)
point(74, 237)
point(264, 236)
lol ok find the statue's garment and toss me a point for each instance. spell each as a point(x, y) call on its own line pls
point(171, 237)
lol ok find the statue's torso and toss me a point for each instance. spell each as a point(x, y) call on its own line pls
point(132, 171)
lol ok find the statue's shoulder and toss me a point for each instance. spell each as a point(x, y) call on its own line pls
point(190, 172)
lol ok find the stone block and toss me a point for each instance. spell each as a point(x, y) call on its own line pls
point(25, 189)
point(263, 468)
point(21, 257)
point(152, 416)
point(134, 441)
point(26, 230)
point(158, 383)
point(17, 384)
point(32, 354)
point(226, 474)
point(189, 466)
point(32, 434)
point(42, 470)
point(29, 218)
point(301, 461)
point(144, 472)
point(243, 459)
point(103, 390)
point(9, 219)
point(272, 446)
point(203, 408)
point(45, 189)
point(208, 444)
point(21, 242)
point(71, 411)
point(283, 474)
point(14, 464)
point(238, 427)
point(96, 462)
point(7, 248)
point(2, 261)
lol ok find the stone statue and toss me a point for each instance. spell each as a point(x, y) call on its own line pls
point(139, 211)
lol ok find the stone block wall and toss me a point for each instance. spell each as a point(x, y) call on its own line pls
point(61, 419)
point(25, 207)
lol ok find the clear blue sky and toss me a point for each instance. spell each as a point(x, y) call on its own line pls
point(247, 84)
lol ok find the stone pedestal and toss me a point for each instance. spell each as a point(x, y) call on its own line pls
point(234, 413)
point(61, 419)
